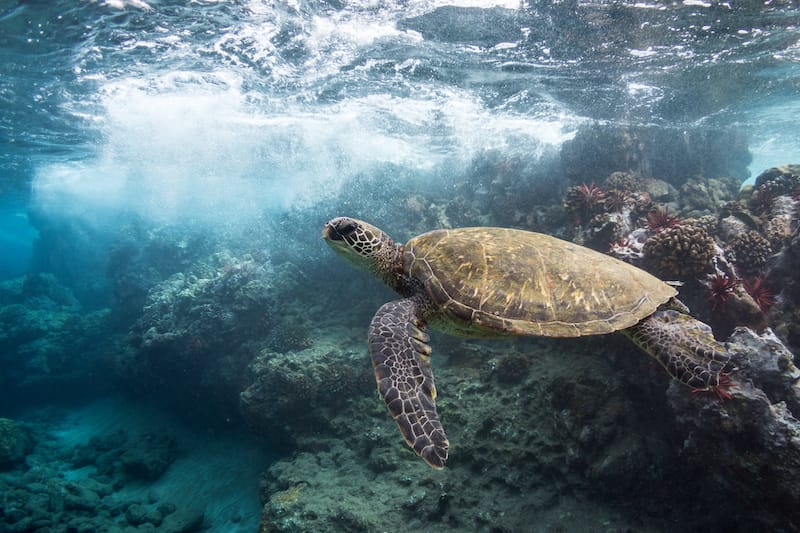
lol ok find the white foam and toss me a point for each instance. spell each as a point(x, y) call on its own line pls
point(193, 146)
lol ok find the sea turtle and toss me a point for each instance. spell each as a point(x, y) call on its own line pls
point(495, 282)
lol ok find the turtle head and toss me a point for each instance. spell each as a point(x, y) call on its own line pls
point(362, 245)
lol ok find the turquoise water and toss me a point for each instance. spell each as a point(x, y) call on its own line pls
point(147, 145)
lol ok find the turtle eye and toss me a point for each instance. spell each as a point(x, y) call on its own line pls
point(342, 229)
point(346, 228)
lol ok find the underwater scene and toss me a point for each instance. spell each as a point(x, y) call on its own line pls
point(399, 265)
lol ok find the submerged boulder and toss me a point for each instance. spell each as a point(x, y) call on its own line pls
point(748, 447)
point(15, 443)
point(301, 391)
point(673, 156)
point(149, 456)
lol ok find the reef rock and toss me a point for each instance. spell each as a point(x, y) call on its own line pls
point(149, 456)
point(15, 443)
point(748, 447)
point(598, 150)
point(528, 429)
point(296, 393)
point(119, 459)
point(42, 328)
point(199, 330)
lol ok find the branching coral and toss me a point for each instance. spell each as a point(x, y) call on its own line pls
point(622, 181)
point(710, 223)
point(778, 231)
point(749, 252)
point(680, 251)
point(779, 180)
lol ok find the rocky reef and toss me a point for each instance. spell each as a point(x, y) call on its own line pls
point(574, 433)
point(561, 433)
point(81, 488)
point(302, 391)
point(15, 443)
point(547, 430)
point(747, 449)
point(50, 345)
point(199, 330)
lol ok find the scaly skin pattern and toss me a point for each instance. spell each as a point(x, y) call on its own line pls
point(400, 354)
point(685, 347)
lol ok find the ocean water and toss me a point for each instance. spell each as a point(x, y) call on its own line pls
point(166, 168)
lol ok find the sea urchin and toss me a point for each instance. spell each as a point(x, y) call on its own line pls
point(660, 219)
point(720, 286)
point(760, 293)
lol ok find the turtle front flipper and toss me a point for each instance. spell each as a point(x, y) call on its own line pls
point(685, 347)
point(400, 357)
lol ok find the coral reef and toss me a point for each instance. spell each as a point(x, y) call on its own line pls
point(528, 435)
point(42, 328)
point(584, 201)
point(749, 252)
point(43, 498)
point(709, 223)
point(301, 391)
point(198, 331)
point(778, 231)
point(682, 251)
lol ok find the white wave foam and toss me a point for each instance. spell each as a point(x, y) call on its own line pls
point(194, 146)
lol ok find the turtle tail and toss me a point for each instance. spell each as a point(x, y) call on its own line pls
point(686, 348)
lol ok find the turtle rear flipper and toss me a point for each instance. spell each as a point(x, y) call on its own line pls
point(400, 357)
point(685, 347)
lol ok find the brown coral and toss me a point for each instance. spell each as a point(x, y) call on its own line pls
point(779, 180)
point(680, 251)
point(622, 181)
point(771, 184)
point(706, 222)
point(749, 252)
point(778, 231)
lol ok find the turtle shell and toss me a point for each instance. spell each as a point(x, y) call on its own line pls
point(493, 281)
